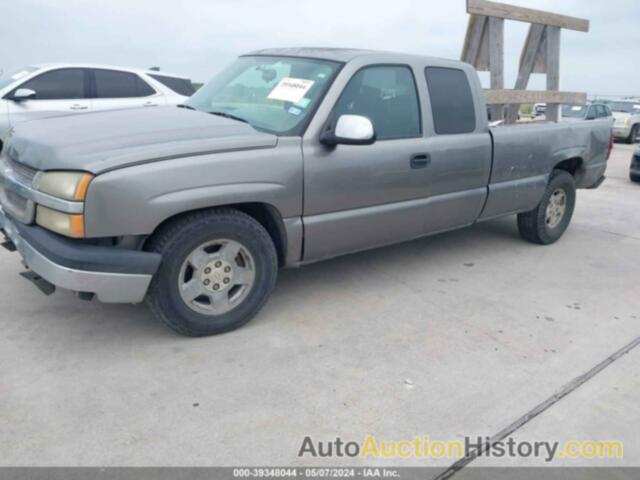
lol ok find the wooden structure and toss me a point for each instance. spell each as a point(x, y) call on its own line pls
point(484, 49)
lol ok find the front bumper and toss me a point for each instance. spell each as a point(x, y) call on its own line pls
point(113, 275)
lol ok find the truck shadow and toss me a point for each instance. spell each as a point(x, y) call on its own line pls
point(455, 248)
point(108, 323)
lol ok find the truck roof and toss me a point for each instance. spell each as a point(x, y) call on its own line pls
point(336, 54)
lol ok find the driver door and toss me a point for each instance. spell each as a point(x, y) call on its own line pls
point(362, 196)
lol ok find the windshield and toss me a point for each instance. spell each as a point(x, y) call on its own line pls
point(574, 111)
point(624, 107)
point(15, 75)
point(275, 94)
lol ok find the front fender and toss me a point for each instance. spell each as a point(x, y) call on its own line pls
point(135, 200)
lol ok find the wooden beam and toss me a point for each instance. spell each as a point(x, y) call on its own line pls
point(527, 63)
point(504, 96)
point(541, 60)
point(511, 12)
point(496, 61)
point(553, 70)
point(473, 39)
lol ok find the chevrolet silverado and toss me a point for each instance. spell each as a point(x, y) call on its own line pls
point(287, 157)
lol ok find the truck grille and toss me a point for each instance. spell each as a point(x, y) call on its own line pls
point(22, 172)
point(15, 202)
point(22, 209)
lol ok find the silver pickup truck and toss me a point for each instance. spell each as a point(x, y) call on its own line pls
point(287, 157)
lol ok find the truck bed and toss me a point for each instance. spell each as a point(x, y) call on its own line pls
point(525, 154)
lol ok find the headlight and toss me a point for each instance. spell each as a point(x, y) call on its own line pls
point(62, 223)
point(627, 121)
point(71, 186)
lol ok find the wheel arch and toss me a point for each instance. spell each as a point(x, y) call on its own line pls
point(573, 165)
point(264, 213)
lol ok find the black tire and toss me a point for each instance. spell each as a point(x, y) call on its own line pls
point(176, 240)
point(634, 177)
point(533, 225)
point(633, 136)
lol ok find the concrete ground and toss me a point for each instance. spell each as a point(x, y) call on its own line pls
point(458, 334)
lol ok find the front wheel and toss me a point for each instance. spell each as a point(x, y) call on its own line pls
point(634, 136)
point(546, 223)
point(218, 269)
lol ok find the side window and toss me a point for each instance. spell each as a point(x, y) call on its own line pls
point(181, 86)
point(602, 111)
point(63, 84)
point(451, 100)
point(387, 95)
point(591, 112)
point(113, 84)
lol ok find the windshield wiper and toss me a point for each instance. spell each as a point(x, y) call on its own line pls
point(182, 105)
point(228, 115)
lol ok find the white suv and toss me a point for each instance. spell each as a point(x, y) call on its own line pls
point(59, 89)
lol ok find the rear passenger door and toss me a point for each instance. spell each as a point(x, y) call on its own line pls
point(112, 89)
point(459, 145)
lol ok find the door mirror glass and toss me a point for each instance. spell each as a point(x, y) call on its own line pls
point(350, 130)
point(22, 94)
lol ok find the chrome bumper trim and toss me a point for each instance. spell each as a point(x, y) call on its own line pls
point(108, 287)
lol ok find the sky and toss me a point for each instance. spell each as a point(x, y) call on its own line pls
point(197, 38)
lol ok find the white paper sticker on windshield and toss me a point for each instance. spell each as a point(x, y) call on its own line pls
point(576, 109)
point(291, 89)
point(637, 106)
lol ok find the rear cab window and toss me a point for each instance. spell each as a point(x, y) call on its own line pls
point(452, 104)
point(181, 86)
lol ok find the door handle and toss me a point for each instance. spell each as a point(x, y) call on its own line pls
point(420, 160)
point(78, 107)
point(150, 104)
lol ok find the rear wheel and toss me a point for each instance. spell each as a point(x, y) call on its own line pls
point(549, 220)
point(634, 177)
point(218, 269)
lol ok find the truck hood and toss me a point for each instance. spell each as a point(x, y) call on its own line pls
point(102, 141)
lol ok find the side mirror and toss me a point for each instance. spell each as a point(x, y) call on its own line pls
point(350, 130)
point(23, 94)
